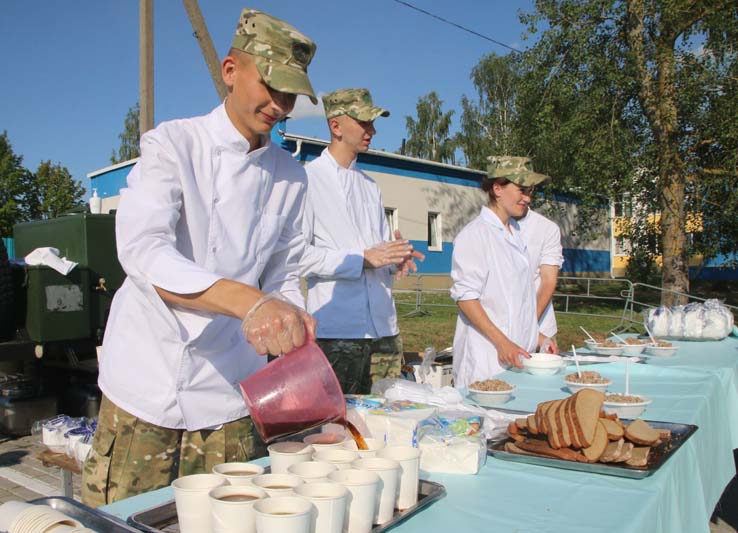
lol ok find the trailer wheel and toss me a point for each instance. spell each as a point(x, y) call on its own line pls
point(7, 322)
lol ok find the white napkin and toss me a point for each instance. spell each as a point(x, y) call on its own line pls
point(600, 359)
point(50, 257)
point(403, 389)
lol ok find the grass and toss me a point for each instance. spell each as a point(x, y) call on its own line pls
point(437, 329)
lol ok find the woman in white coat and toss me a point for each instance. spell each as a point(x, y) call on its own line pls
point(493, 279)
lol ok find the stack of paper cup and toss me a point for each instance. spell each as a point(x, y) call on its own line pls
point(363, 488)
point(409, 459)
point(389, 481)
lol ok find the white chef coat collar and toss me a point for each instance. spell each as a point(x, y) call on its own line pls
point(227, 136)
point(332, 161)
point(491, 217)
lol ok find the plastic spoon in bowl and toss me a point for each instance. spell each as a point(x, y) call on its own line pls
point(653, 339)
point(587, 334)
point(576, 361)
point(618, 337)
point(627, 377)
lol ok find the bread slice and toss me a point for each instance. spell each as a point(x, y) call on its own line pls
point(565, 434)
point(664, 434)
point(541, 447)
point(554, 433)
point(614, 430)
point(586, 414)
point(625, 453)
point(532, 427)
point(522, 423)
point(576, 441)
point(612, 451)
point(599, 444)
point(639, 432)
point(639, 456)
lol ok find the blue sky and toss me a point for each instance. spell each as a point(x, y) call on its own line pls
point(70, 70)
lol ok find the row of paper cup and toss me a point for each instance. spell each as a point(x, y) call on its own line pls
point(309, 496)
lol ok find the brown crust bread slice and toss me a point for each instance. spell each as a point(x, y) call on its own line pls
point(639, 432)
point(573, 430)
point(599, 444)
point(586, 414)
point(625, 453)
point(522, 423)
point(553, 424)
point(639, 456)
point(532, 427)
point(541, 447)
point(614, 430)
point(612, 451)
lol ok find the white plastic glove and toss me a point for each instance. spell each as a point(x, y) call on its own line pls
point(276, 326)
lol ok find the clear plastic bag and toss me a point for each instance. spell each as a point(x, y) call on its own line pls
point(452, 442)
point(706, 321)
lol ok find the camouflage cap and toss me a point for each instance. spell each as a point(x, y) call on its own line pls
point(518, 170)
point(356, 103)
point(281, 53)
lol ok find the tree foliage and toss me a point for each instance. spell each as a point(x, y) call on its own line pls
point(130, 137)
point(14, 180)
point(54, 191)
point(488, 119)
point(428, 135)
point(631, 96)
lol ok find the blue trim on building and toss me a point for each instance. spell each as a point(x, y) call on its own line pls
point(10, 246)
point(579, 261)
point(110, 183)
point(436, 262)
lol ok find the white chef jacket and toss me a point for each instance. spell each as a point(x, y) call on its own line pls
point(344, 216)
point(491, 264)
point(543, 238)
point(198, 208)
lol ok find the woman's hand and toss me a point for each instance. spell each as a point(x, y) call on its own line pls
point(508, 353)
point(547, 344)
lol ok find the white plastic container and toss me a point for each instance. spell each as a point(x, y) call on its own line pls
point(95, 203)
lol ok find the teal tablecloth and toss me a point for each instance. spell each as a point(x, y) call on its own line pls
point(698, 386)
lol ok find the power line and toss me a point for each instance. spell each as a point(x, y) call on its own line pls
point(490, 39)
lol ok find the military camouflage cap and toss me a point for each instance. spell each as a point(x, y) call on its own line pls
point(281, 53)
point(518, 170)
point(356, 103)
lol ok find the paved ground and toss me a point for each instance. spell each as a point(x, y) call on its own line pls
point(23, 477)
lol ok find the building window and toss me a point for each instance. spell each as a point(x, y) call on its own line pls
point(623, 207)
point(390, 214)
point(435, 237)
point(622, 246)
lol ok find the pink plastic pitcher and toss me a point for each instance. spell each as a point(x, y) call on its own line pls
point(295, 392)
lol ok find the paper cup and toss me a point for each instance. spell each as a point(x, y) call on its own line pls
point(277, 484)
point(8, 512)
point(363, 490)
point(329, 506)
point(312, 471)
point(322, 441)
point(284, 454)
point(336, 456)
point(388, 471)
point(373, 444)
point(232, 508)
point(192, 501)
point(238, 473)
point(288, 514)
point(409, 459)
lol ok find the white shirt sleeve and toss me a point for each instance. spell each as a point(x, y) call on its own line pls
point(552, 252)
point(469, 269)
point(145, 224)
point(282, 270)
point(326, 262)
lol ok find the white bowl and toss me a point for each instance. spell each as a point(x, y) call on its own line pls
point(632, 350)
point(487, 398)
point(576, 387)
point(590, 344)
point(608, 350)
point(661, 351)
point(627, 410)
point(543, 364)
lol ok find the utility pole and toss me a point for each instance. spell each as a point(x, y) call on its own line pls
point(206, 45)
point(146, 65)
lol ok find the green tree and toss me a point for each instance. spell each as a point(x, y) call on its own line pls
point(488, 120)
point(129, 138)
point(14, 179)
point(428, 136)
point(617, 98)
point(54, 191)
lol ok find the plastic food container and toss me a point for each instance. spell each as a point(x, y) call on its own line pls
point(627, 410)
point(487, 398)
point(661, 351)
point(575, 387)
point(632, 350)
point(543, 364)
point(295, 392)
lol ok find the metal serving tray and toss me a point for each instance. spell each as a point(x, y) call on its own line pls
point(163, 518)
point(90, 518)
point(658, 456)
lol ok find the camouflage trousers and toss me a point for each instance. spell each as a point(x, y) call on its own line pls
point(130, 456)
point(360, 362)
